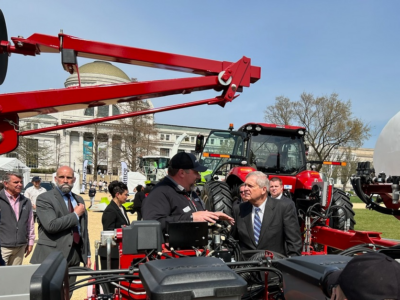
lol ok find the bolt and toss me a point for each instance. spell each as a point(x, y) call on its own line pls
point(233, 87)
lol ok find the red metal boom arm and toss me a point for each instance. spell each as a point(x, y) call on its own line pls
point(223, 76)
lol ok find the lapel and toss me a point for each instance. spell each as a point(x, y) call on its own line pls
point(61, 201)
point(119, 212)
point(246, 210)
point(268, 216)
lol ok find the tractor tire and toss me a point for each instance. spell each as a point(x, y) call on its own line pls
point(217, 197)
point(339, 215)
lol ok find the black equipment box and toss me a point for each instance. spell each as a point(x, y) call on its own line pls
point(303, 273)
point(191, 278)
point(141, 235)
point(185, 235)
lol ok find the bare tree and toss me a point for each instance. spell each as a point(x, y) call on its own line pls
point(137, 135)
point(34, 153)
point(329, 122)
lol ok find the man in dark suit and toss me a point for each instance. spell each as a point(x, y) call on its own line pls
point(63, 223)
point(265, 223)
point(276, 188)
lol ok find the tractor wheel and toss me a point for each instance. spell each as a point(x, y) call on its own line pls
point(217, 197)
point(339, 216)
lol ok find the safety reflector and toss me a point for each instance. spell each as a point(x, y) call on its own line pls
point(335, 163)
point(205, 154)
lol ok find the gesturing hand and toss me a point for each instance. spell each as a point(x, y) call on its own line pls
point(212, 217)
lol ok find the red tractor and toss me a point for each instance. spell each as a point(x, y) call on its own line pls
point(276, 150)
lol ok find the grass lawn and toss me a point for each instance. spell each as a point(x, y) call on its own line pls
point(369, 220)
point(355, 199)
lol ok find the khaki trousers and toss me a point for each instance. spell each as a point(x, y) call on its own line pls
point(13, 256)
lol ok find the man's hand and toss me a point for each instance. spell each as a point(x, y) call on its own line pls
point(211, 217)
point(89, 263)
point(28, 250)
point(205, 216)
point(225, 217)
point(79, 209)
point(337, 294)
point(33, 206)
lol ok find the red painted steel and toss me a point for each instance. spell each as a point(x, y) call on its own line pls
point(233, 77)
point(343, 240)
point(121, 116)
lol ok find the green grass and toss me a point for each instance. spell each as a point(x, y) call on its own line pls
point(369, 220)
point(355, 199)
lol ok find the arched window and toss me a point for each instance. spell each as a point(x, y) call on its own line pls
point(115, 110)
point(89, 111)
point(102, 111)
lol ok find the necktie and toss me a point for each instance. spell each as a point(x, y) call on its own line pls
point(77, 237)
point(257, 224)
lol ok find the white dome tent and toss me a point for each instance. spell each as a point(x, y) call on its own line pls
point(9, 164)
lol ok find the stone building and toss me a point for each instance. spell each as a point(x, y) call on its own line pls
point(71, 146)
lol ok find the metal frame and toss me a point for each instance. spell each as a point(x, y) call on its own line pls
point(227, 77)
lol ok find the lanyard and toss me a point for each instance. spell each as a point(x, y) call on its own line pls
point(191, 201)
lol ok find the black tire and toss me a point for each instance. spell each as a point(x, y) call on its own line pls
point(340, 215)
point(217, 197)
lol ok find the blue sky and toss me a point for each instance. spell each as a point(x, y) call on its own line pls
point(320, 47)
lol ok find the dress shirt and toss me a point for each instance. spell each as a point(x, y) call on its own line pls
point(32, 193)
point(74, 204)
point(260, 213)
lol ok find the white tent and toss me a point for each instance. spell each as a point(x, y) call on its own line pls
point(134, 179)
point(15, 165)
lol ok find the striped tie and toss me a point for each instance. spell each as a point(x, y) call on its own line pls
point(257, 224)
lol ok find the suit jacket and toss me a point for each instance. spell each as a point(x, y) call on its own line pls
point(112, 219)
point(56, 227)
point(280, 231)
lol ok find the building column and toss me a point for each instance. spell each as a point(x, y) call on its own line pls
point(68, 146)
point(109, 153)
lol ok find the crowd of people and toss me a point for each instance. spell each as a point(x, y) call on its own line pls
point(262, 219)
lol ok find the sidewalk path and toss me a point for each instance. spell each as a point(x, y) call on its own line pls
point(359, 205)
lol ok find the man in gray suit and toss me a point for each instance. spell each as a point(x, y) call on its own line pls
point(265, 223)
point(63, 223)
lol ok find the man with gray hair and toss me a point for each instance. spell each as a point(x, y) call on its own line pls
point(17, 231)
point(265, 223)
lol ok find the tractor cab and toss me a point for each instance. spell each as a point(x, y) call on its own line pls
point(154, 167)
point(268, 148)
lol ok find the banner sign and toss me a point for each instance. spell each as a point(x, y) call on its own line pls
point(124, 172)
point(84, 170)
point(88, 151)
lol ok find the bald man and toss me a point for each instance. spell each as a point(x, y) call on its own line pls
point(63, 223)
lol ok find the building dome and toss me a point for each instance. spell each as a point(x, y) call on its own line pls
point(97, 73)
point(102, 67)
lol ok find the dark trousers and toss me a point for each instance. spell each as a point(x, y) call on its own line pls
point(74, 259)
point(139, 214)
